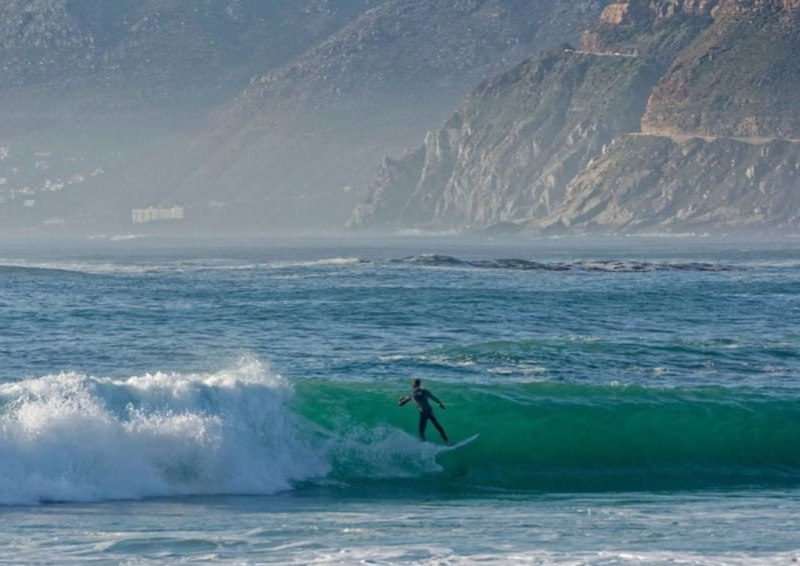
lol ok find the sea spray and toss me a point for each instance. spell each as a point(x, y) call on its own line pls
point(72, 437)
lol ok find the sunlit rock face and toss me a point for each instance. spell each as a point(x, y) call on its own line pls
point(727, 84)
point(508, 153)
point(702, 132)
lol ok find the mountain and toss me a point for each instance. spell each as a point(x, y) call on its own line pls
point(738, 79)
point(145, 55)
point(250, 115)
point(719, 149)
point(299, 143)
point(688, 123)
point(94, 93)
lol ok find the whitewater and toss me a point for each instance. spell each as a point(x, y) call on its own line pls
point(638, 402)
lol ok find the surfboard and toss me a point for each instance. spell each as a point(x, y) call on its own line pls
point(462, 443)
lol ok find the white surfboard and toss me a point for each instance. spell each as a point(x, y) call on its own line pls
point(462, 443)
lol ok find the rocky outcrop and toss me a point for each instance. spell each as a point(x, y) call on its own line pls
point(650, 184)
point(639, 11)
point(648, 28)
point(510, 151)
point(739, 78)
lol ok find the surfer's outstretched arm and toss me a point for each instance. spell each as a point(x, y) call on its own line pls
point(403, 400)
point(435, 399)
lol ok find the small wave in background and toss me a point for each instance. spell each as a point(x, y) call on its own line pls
point(100, 267)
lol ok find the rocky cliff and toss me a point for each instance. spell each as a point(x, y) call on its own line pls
point(739, 78)
point(652, 184)
point(708, 142)
point(653, 29)
point(535, 127)
point(719, 151)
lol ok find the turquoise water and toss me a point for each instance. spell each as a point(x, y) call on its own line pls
point(638, 401)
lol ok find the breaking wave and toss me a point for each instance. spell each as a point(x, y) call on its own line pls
point(246, 430)
point(73, 437)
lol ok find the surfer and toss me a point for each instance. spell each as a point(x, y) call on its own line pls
point(420, 397)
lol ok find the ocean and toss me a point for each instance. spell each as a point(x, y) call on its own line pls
point(637, 402)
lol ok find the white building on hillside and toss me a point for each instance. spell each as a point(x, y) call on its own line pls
point(153, 214)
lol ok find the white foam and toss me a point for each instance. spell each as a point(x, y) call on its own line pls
point(74, 437)
point(87, 267)
point(99, 267)
point(439, 554)
point(383, 452)
point(327, 261)
point(71, 437)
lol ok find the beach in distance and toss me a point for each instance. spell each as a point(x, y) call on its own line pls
point(637, 401)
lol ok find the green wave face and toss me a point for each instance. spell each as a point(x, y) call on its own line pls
point(572, 437)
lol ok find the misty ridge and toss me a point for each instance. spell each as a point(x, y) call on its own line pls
point(520, 117)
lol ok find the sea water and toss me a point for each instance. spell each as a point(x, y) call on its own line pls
point(638, 402)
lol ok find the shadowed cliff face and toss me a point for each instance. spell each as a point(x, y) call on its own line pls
point(714, 148)
point(284, 105)
point(95, 93)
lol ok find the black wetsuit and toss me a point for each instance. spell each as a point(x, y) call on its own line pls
point(420, 397)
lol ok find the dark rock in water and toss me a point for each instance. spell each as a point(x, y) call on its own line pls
point(432, 260)
point(609, 266)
